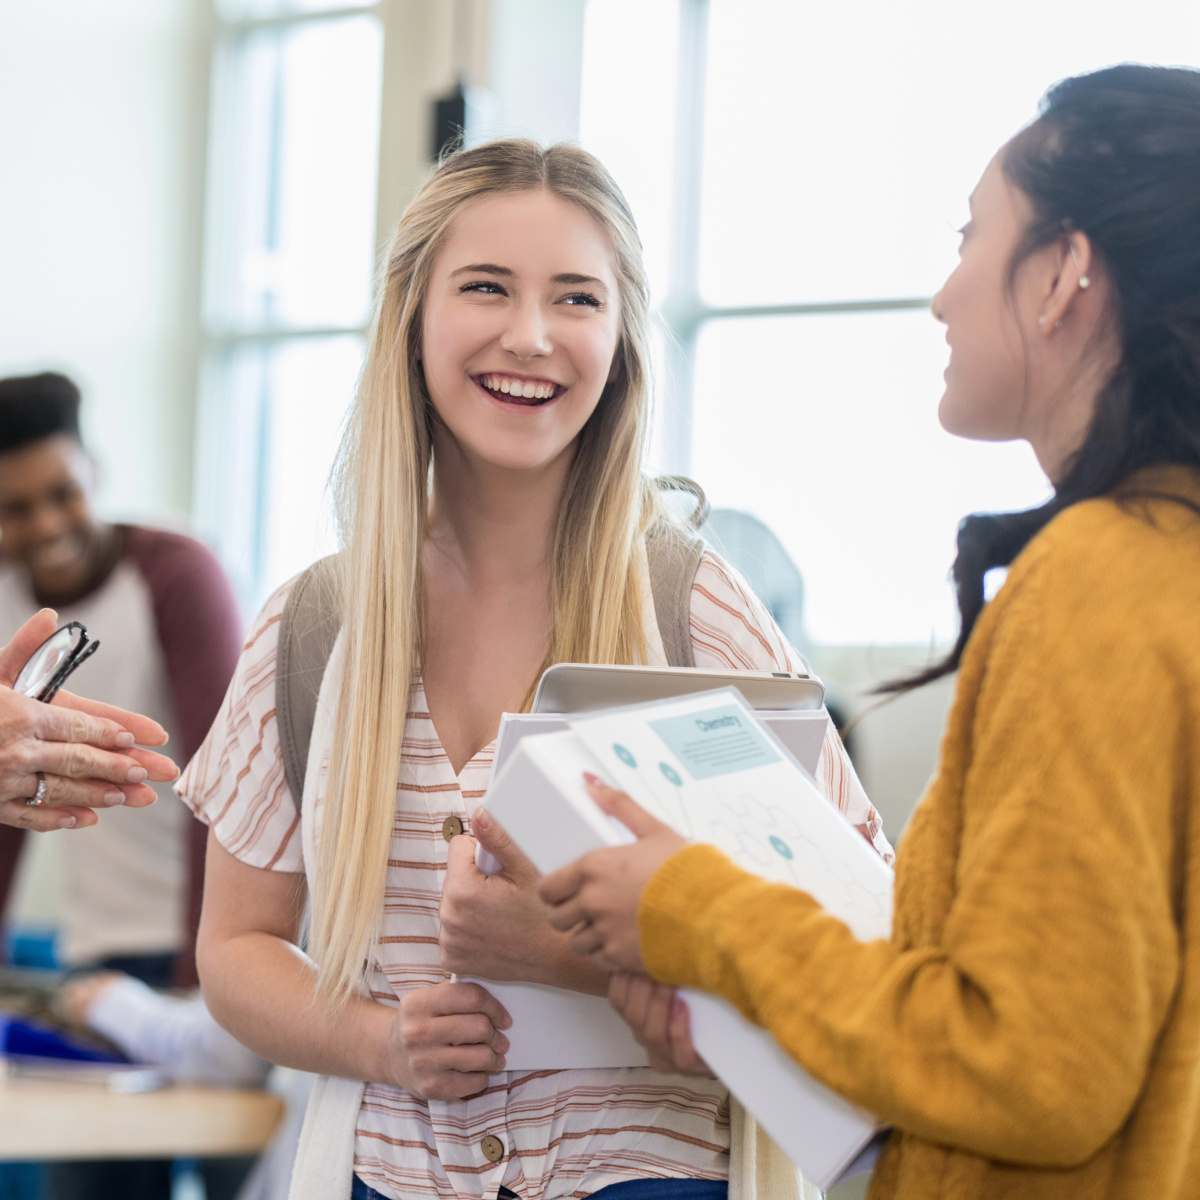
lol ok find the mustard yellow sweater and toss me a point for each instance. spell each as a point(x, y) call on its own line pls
point(1032, 1029)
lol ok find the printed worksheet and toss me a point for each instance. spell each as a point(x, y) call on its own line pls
point(707, 767)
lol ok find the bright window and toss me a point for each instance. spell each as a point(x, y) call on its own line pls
point(289, 260)
point(813, 166)
point(875, 529)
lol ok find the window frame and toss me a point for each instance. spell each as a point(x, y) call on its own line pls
point(684, 312)
point(240, 535)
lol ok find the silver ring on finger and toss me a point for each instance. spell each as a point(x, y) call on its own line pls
point(39, 797)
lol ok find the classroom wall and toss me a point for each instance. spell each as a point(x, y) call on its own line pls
point(520, 60)
point(895, 740)
point(101, 136)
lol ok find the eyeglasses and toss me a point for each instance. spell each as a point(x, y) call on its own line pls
point(52, 662)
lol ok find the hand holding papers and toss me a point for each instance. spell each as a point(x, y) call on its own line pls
point(596, 898)
point(706, 767)
point(493, 927)
point(555, 1028)
point(492, 923)
point(711, 769)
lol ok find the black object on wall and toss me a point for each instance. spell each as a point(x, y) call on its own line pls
point(449, 121)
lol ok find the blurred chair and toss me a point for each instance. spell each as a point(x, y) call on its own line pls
point(756, 551)
point(759, 555)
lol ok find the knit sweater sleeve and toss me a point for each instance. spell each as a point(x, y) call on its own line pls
point(1023, 1028)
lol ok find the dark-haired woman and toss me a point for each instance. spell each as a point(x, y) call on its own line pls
point(1032, 1029)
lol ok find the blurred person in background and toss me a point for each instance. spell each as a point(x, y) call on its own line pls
point(165, 613)
point(179, 1036)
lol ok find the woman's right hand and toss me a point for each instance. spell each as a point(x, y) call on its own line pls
point(445, 1040)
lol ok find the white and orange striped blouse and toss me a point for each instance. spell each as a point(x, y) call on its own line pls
point(563, 1133)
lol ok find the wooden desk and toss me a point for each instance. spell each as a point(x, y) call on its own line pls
point(42, 1120)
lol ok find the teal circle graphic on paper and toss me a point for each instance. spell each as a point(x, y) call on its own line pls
point(781, 847)
point(671, 774)
point(624, 755)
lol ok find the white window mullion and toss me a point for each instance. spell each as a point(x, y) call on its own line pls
point(289, 265)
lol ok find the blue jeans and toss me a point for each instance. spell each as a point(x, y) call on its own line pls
point(629, 1189)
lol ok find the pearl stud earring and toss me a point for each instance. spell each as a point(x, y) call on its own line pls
point(1084, 281)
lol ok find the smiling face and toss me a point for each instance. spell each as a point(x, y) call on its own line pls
point(46, 519)
point(521, 326)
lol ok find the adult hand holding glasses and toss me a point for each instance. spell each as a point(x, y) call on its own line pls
point(60, 761)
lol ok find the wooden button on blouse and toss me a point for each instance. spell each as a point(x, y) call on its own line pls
point(452, 827)
point(492, 1147)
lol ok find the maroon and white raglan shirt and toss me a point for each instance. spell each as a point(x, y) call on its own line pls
point(170, 635)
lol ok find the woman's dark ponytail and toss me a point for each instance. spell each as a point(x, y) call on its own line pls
point(1114, 154)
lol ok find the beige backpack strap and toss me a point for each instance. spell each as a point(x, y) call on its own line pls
point(673, 557)
point(307, 631)
point(673, 554)
point(700, 507)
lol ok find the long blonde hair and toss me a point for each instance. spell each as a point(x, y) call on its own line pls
point(382, 481)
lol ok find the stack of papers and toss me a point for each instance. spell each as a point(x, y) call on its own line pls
point(550, 1019)
point(709, 767)
point(802, 731)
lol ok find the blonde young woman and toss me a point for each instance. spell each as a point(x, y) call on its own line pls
point(493, 511)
